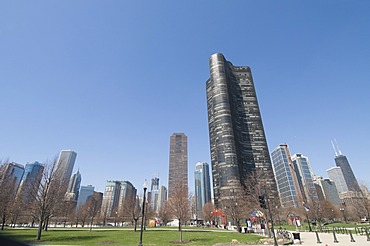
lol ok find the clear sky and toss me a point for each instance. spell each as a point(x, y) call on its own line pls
point(112, 80)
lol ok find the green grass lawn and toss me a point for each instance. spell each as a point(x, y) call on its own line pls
point(162, 236)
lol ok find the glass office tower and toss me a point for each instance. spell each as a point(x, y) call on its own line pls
point(65, 164)
point(202, 187)
point(302, 164)
point(286, 178)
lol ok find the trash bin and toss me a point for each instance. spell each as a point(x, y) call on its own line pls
point(296, 235)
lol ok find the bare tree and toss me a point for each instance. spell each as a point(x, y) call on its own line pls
point(364, 201)
point(8, 190)
point(133, 210)
point(179, 206)
point(49, 196)
point(164, 213)
point(92, 208)
point(104, 213)
point(207, 210)
point(236, 207)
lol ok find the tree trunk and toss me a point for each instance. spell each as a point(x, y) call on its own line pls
point(47, 224)
point(3, 222)
point(39, 230)
point(91, 223)
point(180, 228)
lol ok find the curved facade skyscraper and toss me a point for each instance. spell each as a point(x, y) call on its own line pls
point(237, 138)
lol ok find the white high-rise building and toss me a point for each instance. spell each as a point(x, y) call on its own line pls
point(336, 174)
point(162, 196)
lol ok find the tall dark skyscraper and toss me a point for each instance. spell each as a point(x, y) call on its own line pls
point(237, 138)
point(178, 166)
point(342, 162)
point(351, 181)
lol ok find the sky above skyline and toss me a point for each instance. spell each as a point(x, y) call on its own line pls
point(113, 80)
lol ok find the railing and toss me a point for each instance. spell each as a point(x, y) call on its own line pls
point(363, 230)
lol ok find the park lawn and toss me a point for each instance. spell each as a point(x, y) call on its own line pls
point(126, 237)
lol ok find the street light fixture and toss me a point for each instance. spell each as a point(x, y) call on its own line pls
point(307, 208)
point(142, 215)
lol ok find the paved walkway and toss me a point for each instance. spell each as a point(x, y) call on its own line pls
point(327, 239)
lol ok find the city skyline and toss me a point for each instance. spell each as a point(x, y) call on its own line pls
point(77, 81)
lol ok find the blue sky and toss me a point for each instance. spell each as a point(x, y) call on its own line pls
point(113, 80)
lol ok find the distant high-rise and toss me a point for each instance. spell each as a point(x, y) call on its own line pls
point(154, 194)
point(162, 196)
point(326, 190)
point(336, 174)
point(178, 166)
point(65, 164)
point(237, 137)
point(85, 193)
point(11, 173)
point(111, 197)
point(116, 193)
point(127, 192)
point(31, 179)
point(286, 177)
point(74, 186)
point(302, 165)
point(342, 162)
point(202, 187)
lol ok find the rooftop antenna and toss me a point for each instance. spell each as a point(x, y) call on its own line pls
point(340, 153)
point(336, 154)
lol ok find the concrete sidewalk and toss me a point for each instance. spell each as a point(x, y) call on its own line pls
point(327, 239)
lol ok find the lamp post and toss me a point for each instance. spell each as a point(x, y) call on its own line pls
point(307, 208)
point(142, 215)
